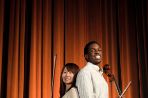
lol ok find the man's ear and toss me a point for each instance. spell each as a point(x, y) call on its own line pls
point(86, 57)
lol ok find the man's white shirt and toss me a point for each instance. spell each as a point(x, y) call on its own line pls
point(91, 83)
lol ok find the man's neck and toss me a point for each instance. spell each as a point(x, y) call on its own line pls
point(99, 65)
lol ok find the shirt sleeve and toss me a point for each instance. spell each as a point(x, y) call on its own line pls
point(84, 85)
point(74, 93)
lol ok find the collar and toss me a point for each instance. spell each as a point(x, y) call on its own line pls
point(95, 67)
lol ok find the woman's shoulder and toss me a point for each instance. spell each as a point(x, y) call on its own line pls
point(72, 93)
point(73, 89)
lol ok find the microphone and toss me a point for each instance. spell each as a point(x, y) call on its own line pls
point(106, 67)
point(107, 70)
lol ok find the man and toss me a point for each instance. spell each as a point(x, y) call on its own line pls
point(90, 81)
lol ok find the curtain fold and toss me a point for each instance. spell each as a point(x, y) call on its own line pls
point(32, 32)
point(1, 37)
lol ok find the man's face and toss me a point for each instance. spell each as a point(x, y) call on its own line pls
point(94, 54)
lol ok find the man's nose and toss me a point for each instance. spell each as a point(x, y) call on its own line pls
point(97, 52)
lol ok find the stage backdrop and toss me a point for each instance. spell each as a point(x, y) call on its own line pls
point(33, 31)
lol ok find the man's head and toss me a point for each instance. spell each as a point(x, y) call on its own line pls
point(93, 52)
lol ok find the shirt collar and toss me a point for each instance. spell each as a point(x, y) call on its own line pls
point(95, 67)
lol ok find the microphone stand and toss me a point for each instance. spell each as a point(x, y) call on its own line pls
point(117, 86)
point(125, 89)
point(107, 71)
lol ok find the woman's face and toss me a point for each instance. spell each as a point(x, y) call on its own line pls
point(67, 76)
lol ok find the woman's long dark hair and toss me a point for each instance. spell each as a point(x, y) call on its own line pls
point(74, 69)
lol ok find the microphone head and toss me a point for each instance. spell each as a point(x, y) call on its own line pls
point(106, 67)
point(107, 70)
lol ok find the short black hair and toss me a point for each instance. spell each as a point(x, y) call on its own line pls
point(88, 45)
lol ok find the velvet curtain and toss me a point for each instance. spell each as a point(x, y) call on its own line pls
point(32, 32)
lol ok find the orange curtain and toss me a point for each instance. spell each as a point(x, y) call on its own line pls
point(32, 32)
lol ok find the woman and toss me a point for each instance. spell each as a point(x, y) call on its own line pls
point(68, 80)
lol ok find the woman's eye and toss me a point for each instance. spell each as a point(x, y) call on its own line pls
point(64, 72)
point(71, 72)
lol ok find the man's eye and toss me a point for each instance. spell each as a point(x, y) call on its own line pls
point(92, 51)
